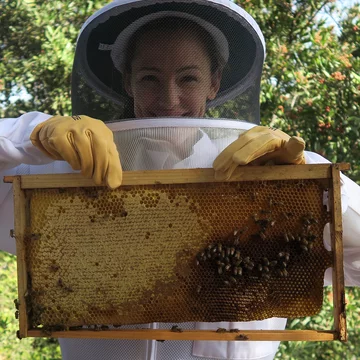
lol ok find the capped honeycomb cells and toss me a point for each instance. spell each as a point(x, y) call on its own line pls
point(131, 255)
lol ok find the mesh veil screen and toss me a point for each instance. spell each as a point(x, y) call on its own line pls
point(194, 34)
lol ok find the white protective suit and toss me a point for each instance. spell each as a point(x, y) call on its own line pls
point(18, 157)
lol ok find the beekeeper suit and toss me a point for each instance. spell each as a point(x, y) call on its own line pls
point(37, 143)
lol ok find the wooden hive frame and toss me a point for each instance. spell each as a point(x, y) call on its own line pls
point(328, 172)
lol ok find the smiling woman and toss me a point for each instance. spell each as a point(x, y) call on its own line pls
point(163, 58)
point(173, 68)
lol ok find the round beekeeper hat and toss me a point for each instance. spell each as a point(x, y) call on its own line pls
point(97, 83)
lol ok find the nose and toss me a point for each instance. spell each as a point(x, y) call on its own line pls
point(169, 95)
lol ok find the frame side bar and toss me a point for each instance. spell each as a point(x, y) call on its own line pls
point(19, 231)
point(337, 247)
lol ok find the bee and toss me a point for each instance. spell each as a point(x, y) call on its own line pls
point(286, 237)
point(74, 328)
point(242, 337)
point(253, 196)
point(228, 251)
point(304, 248)
point(278, 203)
point(35, 236)
point(234, 330)
point(17, 304)
point(175, 328)
point(249, 266)
point(46, 331)
point(233, 280)
point(18, 334)
point(237, 255)
point(12, 233)
point(16, 314)
point(221, 330)
point(237, 262)
point(262, 235)
point(273, 263)
point(54, 267)
point(304, 242)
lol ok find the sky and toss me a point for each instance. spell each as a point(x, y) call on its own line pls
point(342, 4)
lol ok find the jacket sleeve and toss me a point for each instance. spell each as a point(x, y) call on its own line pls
point(16, 155)
point(15, 144)
point(350, 204)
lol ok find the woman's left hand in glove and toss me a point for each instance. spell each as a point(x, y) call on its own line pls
point(259, 146)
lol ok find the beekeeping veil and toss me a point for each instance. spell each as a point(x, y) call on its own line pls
point(103, 48)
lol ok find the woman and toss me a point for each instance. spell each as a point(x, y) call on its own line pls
point(154, 59)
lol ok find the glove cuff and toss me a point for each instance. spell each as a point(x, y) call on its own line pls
point(35, 139)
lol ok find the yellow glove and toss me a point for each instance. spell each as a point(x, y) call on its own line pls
point(86, 144)
point(258, 146)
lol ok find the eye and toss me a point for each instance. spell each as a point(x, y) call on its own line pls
point(150, 78)
point(189, 78)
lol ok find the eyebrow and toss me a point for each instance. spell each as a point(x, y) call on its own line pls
point(184, 68)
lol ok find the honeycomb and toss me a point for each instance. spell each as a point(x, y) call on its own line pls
point(232, 251)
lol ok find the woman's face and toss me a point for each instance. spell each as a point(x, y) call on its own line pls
point(170, 76)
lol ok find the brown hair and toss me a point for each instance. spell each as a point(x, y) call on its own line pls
point(174, 24)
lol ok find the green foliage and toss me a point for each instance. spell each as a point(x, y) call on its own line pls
point(310, 87)
point(37, 47)
point(311, 82)
point(295, 350)
point(11, 347)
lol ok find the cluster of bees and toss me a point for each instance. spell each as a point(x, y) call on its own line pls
point(231, 265)
point(305, 239)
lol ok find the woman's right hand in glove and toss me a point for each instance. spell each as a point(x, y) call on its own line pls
point(85, 143)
